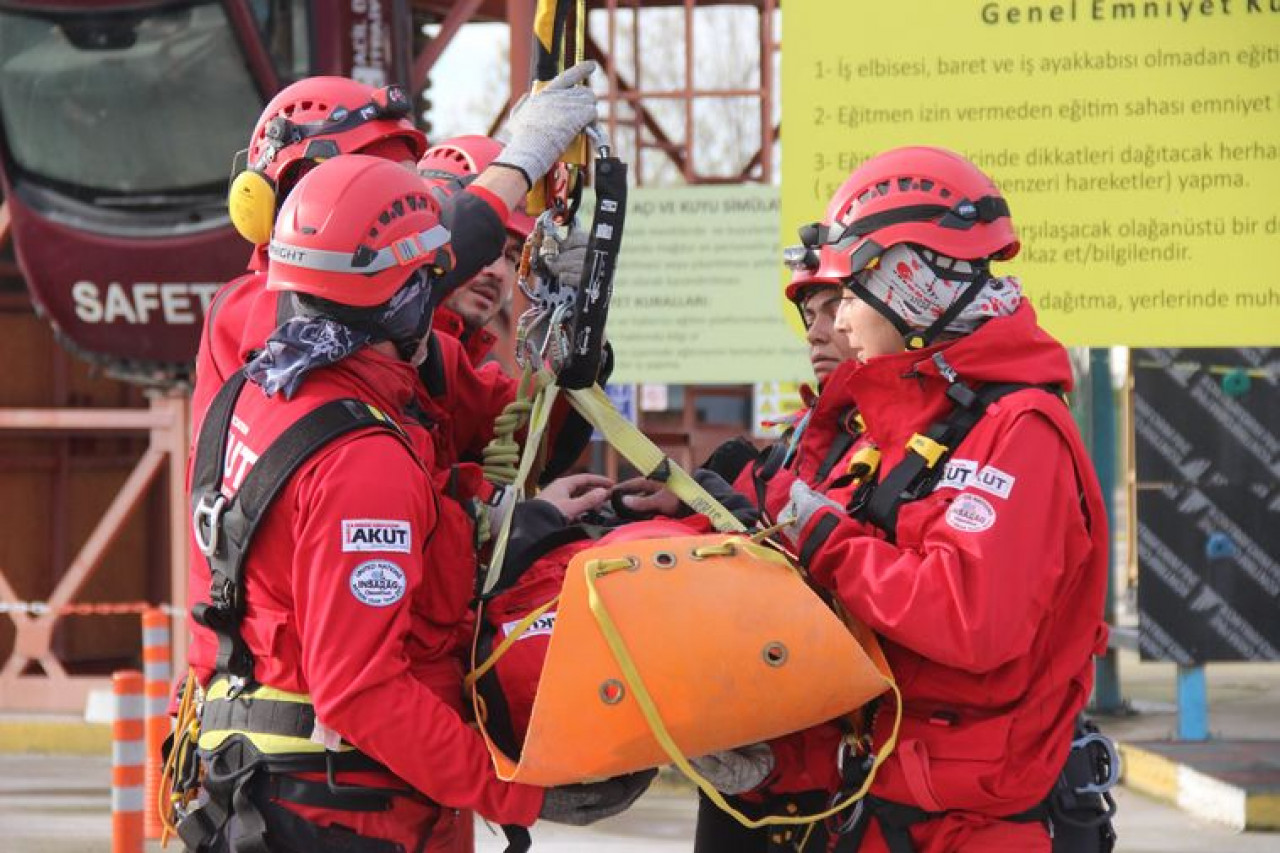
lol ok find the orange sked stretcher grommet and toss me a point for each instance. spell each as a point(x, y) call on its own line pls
point(725, 638)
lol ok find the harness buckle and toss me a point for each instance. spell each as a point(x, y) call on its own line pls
point(236, 685)
point(927, 448)
point(206, 522)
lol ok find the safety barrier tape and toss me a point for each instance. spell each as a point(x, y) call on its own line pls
point(125, 608)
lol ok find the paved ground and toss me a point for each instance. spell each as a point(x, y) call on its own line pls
point(59, 804)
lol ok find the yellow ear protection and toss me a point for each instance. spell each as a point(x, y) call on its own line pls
point(252, 201)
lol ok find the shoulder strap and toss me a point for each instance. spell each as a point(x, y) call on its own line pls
point(224, 528)
point(928, 453)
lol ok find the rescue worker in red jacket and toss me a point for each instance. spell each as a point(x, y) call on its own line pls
point(306, 122)
point(335, 602)
point(471, 307)
point(322, 117)
point(795, 774)
point(313, 119)
point(976, 549)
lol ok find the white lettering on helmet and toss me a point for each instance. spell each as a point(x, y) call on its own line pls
point(371, 534)
point(378, 583)
point(285, 253)
point(970, 513)
point(177, 303)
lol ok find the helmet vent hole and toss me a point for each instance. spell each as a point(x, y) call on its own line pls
point(904, 184)
point(944, 192)
point(883, 188)
point(926, 184)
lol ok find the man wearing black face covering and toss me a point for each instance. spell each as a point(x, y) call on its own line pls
point(331, 569)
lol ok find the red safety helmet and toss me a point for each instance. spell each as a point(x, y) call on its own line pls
point(927, 196)
point(462, 157)
point(804, 264)
point(353, 230)
point(308, 122)
point(321, 117)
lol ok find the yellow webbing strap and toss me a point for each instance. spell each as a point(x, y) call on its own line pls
point(477, 672)
point(595, 569)
point(594, 405)
point(266, 743)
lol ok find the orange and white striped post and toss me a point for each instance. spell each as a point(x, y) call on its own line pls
point(157, 673)
point(127, 760)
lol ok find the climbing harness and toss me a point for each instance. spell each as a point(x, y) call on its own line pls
point(242, 741)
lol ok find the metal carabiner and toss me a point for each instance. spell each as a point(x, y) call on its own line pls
point(599, 139)
point(1113, 762)
point(206, 522)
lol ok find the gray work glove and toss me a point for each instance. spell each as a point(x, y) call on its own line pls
point(543, 124)
point(579, 805)
point(566, 263)
point(736, 771)
point(804, 504)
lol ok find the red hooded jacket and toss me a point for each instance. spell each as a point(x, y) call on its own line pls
point(313, 630)
point(989, 601)
point(407, 656)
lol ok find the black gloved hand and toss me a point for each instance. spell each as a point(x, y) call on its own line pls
point(737, 503)
point(579, 805)
point(730, 458)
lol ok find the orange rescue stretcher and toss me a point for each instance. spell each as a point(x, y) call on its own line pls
point(675, 647)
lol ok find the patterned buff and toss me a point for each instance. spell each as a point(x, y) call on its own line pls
point(298, 347)
point(313, 340)
point(919, 285)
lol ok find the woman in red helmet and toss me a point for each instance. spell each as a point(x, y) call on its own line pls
point(977, 547)
point(332, 720)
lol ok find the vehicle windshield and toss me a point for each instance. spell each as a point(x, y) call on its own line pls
point(108, 105)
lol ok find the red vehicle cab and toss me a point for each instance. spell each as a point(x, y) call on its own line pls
point(119, 124)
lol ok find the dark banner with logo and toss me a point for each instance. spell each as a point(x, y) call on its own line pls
point(1207, 432)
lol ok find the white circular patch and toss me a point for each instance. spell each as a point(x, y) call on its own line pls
point(378, 583)
point(971, 513)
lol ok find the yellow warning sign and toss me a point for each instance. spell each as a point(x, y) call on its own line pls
point(774, 408)
point(1138, 144)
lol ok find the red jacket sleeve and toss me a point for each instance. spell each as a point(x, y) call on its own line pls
point(973, 592)
point(355, 638)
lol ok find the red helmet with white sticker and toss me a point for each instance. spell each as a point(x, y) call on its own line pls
point(461, 158)
point(353, 230)
point(930, 197)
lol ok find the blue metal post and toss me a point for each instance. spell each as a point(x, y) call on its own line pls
point(1193, 704)
point(1107, 698)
